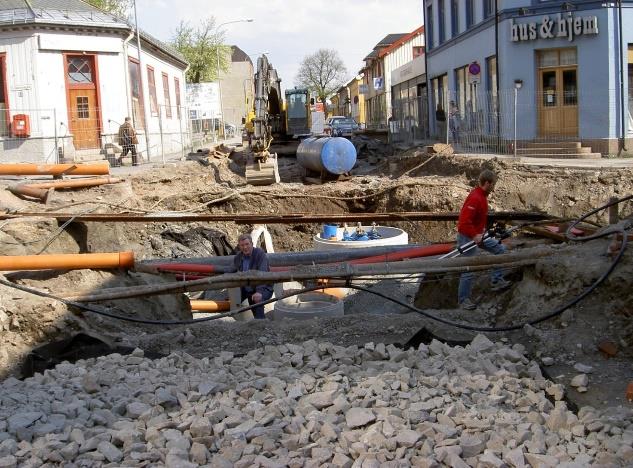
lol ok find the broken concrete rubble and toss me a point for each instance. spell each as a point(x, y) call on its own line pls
point(388, 408)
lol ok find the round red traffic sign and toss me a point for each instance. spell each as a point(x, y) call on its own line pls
point(474, 68)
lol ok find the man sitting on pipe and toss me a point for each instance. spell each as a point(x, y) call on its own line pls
point(253, 258)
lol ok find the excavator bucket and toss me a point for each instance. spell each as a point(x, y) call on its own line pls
point(263, 172)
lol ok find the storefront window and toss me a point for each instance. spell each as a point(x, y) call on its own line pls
point(4, 113)
point(570, 91)
point(548, 58)
point(549, 88)
point(568, 57)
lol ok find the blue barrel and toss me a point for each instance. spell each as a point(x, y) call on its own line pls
point(335, 155)
point(329, 230)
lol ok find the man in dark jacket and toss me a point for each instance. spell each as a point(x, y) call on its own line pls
point(471, 227)
point(253, 258)
point(128, 141)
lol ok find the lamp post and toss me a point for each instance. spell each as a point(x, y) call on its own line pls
point(217, 56)
point(142, 87)
point(517, 86)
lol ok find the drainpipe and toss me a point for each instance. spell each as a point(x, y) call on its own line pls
point(142, 90)
point(426, 73)
point(621, 51)
point(128, 101)
point(497, 72)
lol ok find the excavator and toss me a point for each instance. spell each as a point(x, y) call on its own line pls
point(264, 121)
point(269, 119)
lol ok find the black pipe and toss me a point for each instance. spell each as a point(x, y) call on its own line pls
point(426, 73)
point(497, 72)
point(621, 51)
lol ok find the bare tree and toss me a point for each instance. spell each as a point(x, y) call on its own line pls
point(201, 47)
point(120, 8)
point(323, 73)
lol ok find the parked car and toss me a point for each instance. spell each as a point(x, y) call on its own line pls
point(339, 125)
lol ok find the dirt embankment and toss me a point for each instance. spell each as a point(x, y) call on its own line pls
point(441, 185)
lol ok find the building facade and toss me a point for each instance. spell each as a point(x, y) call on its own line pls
point(409, 116)
point(533, 70)
point(237, 87)
point(393, 51)
point(71, 74)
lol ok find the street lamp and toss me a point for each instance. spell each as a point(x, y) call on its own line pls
point(217, 55)
point(518, 84)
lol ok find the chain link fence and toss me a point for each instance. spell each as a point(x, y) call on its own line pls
point(516, 122)
point(89, 133)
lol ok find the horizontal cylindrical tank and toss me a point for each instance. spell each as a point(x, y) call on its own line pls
point(334, 155)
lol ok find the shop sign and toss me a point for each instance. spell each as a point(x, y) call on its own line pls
point(363, 89)
point(557, 27)
point(379, 83)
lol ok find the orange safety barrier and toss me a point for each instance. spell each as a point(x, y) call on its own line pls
point(99, 168)
point(67, 261)
point(210, 306)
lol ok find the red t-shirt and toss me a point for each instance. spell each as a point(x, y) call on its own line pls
point(474, 214)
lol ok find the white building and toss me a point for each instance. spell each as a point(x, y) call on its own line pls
point(73, 73)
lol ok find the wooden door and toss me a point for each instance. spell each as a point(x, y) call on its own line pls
point(83, 104)
point(558, 102)
point(83, 118)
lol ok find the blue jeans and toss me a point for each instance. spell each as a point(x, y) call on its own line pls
point(466, 279)
point(258, 312)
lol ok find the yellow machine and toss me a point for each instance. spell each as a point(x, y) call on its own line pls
point(265, 120)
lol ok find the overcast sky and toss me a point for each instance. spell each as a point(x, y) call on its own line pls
point(289, 30)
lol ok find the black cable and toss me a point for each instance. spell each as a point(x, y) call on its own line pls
point(609, 230)
point(348, 283)
point(103, 311)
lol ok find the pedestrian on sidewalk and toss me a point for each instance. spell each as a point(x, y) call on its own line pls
point(440, 119)
point(471, 226)
point(453, 114)
point(128, 141)
point(253, 258)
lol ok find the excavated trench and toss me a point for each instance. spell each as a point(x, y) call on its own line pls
point(440, 186)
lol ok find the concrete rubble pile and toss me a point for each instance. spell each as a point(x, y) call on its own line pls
point(314, 404)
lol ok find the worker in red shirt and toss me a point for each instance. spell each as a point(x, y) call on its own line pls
point(471, 227)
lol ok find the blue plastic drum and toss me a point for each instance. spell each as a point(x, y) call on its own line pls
point(335, 155)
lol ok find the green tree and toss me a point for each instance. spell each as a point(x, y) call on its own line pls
point(120, 8)
point(322, 72)
point(201, 46)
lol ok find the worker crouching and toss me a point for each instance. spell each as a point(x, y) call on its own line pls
point(253, 258)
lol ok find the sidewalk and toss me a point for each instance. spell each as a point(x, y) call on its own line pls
point(603, 163)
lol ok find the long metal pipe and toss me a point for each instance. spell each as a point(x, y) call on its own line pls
point(525, 257)
point(415, 252)
point(99, 168)
point(307, 257)
point(67, 261)
point(289, 218)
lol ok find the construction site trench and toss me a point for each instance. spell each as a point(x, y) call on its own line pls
point(594, 338)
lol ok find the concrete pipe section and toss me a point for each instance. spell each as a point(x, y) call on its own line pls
point(307, 306)
point(331, 238)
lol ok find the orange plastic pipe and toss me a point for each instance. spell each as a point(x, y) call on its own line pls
point(67, 261)
point(210, 306)
point(40, 190)
point(76, 183)
point(28, 191)
point(99, 168)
